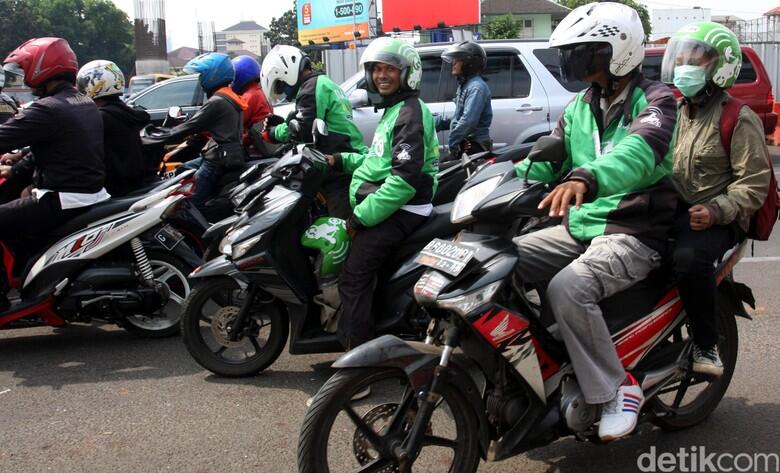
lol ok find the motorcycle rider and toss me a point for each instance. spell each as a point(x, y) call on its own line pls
point(221, 117)
point(618, 161)
point(287, 72)
point(65, 133)
point(104, 82)
point(721, 188)
point(392, 184)
point(470, 126)
point(247, 85)
point(8, 107)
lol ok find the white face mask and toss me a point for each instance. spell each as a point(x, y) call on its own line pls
point(690, 79)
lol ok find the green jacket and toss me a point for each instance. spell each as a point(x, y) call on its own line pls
point(400, 168)
point(625, 164)
point(320, 97)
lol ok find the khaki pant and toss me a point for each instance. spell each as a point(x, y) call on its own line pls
point(580, 275)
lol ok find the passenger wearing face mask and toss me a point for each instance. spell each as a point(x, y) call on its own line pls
point(721, 188)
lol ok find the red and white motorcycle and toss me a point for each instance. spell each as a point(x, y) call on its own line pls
point(117, 262)
point(493, 378)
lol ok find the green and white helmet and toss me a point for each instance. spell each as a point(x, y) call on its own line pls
point(396, 53)
point(329, 236)
point(703, 41)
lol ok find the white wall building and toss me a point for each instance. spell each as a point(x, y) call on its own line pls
point(666, 22)
point(252, 36)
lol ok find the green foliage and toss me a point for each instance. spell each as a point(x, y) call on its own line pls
point(284, 30)
point(503, 27)
point(95, 29)
point(641, 9)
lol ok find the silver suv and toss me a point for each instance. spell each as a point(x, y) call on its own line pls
point(524, 77)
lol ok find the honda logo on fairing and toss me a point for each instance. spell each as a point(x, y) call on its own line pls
point(501, 329)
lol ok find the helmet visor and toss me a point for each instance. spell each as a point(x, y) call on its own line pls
point(392, 59)
point(687, 52)
point(451, 56)
point(579, 61)
point(14, 69)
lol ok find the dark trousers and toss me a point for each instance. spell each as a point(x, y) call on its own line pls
point(206, 179)
point(25, 225)
point(336, 189)
point(370, 249)
point(693, 258)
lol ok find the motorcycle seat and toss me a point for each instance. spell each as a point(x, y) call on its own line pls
point(95, 213)
point(638, 301)
point(437, 225)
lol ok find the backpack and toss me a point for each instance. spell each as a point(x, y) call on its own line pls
point(762, 222)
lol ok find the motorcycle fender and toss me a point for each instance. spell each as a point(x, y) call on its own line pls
point(419, 361)
point(220, 266)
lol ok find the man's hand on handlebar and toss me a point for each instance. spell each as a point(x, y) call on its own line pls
point(6, 171)
point(560, 198)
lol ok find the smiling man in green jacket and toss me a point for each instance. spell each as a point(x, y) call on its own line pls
point(392, 185)
point(617, 135)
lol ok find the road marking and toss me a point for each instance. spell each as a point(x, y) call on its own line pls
point(760, 259)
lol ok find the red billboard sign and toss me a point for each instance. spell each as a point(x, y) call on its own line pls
point(405, 14)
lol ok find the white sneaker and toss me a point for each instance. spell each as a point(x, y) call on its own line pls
point(707, 361)
point(620, 415)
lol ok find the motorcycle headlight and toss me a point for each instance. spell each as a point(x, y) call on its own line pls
point(468, 199)
point(226, 245)
point(240, 249)
point(463, 305)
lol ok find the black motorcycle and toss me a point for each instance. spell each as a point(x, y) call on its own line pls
point(246, 302)
point(512, 388)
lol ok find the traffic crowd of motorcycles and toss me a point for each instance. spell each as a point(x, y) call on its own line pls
point(468, 364)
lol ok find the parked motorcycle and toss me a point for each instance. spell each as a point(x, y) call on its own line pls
point(512, 388)
point(246, 302)
point(119, 262)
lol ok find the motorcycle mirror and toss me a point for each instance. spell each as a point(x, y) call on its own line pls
point(547, 149)
point(359, 98)
point(319, 129)
point(175, 112)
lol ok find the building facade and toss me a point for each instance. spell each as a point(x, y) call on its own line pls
point(536, 18)
point(246, 35)
point(668, 21)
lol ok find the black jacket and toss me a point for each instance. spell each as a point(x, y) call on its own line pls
point(65, 133)
point(124, 158)
point(220, 117)
point(8, 107)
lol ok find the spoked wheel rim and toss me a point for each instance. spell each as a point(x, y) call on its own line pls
point(178, 287)
point(217, 315)
point(372, 431)
point(691, 392)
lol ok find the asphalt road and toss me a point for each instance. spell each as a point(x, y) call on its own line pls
point(97, 399)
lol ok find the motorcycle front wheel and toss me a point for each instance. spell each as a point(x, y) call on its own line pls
point(341, 434)
point(210, 310)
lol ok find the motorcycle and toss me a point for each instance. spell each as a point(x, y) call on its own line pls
point(512, 388)
point(118, 262)
point(264, 288)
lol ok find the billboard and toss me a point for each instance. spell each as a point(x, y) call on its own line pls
point(405, 14)
point(332, 19)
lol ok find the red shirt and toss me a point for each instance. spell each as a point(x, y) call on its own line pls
point(258, 105)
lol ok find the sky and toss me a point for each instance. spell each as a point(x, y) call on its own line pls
point(182, 16)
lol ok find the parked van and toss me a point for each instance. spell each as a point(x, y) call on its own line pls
point(139, 83)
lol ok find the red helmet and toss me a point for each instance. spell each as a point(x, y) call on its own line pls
point(41, 59)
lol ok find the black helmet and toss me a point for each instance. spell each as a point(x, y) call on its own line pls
point(472, 54)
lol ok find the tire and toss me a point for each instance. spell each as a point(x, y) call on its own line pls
point(216, 356)
point(707, 400)
point(164, 265)
point(339, 390)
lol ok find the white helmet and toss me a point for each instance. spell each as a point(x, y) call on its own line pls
point(281, 70)
point(100, 78)
point(613, 23)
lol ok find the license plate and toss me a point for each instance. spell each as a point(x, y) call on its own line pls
point(446, 256)
point(168, 237)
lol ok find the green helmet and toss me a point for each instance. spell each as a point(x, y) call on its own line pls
point(398, 54)
point(329, 236)
point(700, 43)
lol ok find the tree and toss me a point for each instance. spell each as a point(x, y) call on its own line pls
point(641, 9)
point(503, 27)
point(284, 30)
point(95, 29)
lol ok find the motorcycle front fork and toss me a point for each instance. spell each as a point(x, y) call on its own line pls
point(235, 331)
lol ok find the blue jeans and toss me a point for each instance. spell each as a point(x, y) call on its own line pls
point(206, 178)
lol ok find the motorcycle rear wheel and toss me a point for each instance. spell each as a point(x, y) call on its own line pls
point(208, 311)
point(334, 413)
point(172, 272)
point(697, 408)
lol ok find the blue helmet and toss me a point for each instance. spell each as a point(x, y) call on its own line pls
point(247, 70)
point(215, 70)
